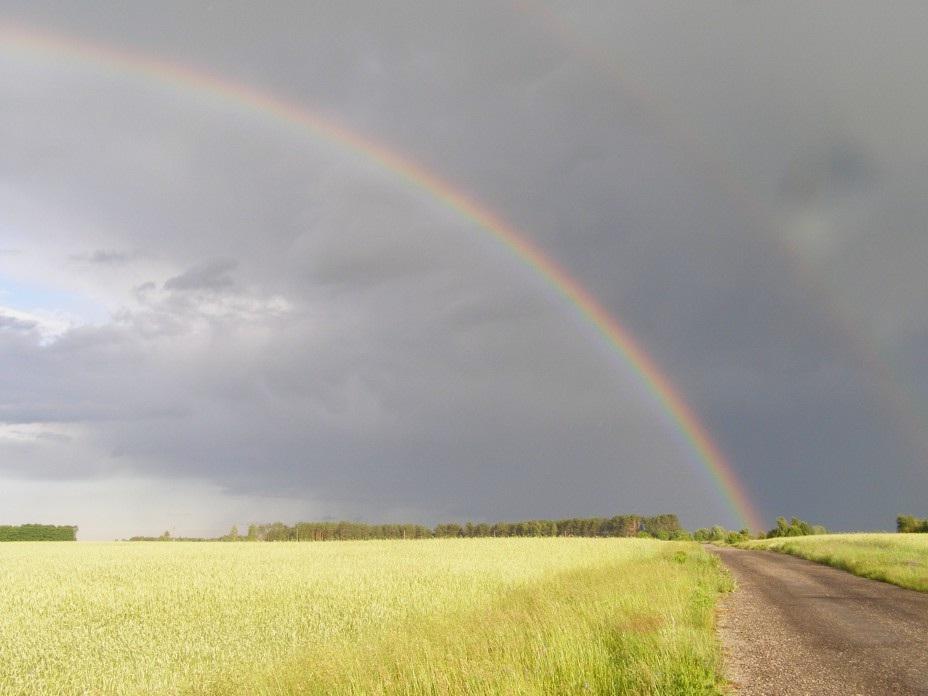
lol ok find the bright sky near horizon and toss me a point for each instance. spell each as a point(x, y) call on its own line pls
point(210, 315)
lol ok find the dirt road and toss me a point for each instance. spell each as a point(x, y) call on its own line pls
point(796, 627)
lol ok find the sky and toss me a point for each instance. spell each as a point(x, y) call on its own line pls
point(210, 316)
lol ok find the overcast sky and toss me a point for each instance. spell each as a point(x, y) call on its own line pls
point(208, 318)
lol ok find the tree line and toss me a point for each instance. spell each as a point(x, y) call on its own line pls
point(665, 526)
point(38, 532)
point(795, 527)
point(908, 523)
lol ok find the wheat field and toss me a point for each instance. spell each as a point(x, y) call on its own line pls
point(481, 616)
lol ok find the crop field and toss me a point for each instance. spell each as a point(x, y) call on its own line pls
point(481, 616)
point(901, 559)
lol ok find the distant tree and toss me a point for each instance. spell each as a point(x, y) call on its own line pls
point(781, 530)
point(910, 523)
point(448, 529)
point(795, 527)
point(661, 526)
point(277, 531)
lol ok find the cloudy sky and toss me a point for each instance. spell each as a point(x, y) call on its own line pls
point(209, 316)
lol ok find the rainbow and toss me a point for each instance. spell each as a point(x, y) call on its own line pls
point(30, 42)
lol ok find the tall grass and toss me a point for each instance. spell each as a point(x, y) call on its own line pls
point(901, 559)
point(482, 616)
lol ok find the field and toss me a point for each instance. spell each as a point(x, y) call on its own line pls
point(901, 559)
point(482, 616)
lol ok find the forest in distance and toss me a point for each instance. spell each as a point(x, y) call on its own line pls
point(664, 526)
point(38, 532)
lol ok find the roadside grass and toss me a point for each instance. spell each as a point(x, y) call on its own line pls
point(900, 559)
point(475, 616)
point(639, 626)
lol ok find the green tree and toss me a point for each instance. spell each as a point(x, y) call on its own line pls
point(795, 527)
point(910, 523)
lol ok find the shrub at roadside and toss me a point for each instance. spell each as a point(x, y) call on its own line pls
point(718, 534)
point(795, 527)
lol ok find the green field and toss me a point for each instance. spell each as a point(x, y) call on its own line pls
point(483, 616)
point(901, 559)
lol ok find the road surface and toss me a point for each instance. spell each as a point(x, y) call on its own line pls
point(797, 627)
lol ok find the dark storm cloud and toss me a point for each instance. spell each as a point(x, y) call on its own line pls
point(743, 186)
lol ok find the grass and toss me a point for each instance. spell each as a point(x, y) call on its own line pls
point(476, 616)
point(901, 559)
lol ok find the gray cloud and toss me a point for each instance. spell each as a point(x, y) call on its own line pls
point(103, 257)
point(213, 275)
point(109, 257)
point(10, 323)
point(303, 333)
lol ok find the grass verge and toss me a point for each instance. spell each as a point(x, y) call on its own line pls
point(640, 626)
point(900, 559)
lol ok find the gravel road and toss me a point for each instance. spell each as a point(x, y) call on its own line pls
point(797, 627)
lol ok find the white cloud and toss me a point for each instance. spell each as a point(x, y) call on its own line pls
point(48, 324)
